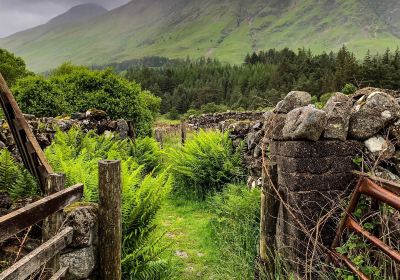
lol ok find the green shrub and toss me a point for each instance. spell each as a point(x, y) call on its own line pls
point(349, 89)
point(205, 164)
point(77, 89)
point(236, 229)
point(12, 67)
point(77, 154)
point(15, 179)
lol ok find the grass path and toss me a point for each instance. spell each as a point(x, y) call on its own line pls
point(193, 254)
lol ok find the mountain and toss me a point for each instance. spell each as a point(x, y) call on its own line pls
point(77, 14)
point(226, 29)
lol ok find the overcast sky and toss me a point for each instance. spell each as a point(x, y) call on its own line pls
point(17, 15)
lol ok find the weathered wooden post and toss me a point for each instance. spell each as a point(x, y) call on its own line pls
point(131, 130)
point(110, 226)
point(183, 132)
point(159, 137)
point(52, 224)
point(269, 215)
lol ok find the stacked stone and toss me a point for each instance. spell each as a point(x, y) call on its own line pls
point(45, 128)
point(314, 150)
point(215, 120)
point(81, 254)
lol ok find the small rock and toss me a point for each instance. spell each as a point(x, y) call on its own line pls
point(78, 116)
point(80, 262)
point(372, 113)
point(338, 109)
point(376, 144)
point(181, 254)
point(305, 123)
point(394, 131)
point(122, 128)
point(2, 145)
point(293, 100)
point(96, 114)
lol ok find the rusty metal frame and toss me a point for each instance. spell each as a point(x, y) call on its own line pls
point(387, 192)
point(31, 153)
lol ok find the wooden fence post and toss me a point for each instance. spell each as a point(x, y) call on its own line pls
point(183, 133)
point(52, 224)
point(110, 224)
point(268, 220)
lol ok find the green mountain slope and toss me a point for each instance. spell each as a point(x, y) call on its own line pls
point(226, 29)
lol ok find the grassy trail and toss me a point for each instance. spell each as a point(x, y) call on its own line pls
point(193, 254)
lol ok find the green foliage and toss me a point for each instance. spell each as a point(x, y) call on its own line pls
point(77, 154)
point(213, 108)
point(209, 86)
point(15, 179)
point(349, 89)
point(71, 89)
point(205, 164)
point(12, 67)
point(236, 229)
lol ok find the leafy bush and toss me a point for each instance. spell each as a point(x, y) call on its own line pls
point(77, 155)
point(15, 179)
point(205, 164)
point(11, 67)
point(236, 229)
point(76, 89)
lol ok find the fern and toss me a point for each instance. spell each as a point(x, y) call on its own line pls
point(77, 154)
point(15, 179)
point(205, 164)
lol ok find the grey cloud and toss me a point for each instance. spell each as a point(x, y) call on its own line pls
point(17, 15)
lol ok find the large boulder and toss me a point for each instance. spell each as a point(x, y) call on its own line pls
point(80, 263)
point(293, 100)
point(305, 123)
point(338, 109)
point(371, 113)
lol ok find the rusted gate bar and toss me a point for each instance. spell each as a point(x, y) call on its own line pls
point(31, 153)
point(386, 194)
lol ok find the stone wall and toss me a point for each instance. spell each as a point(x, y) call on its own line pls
point(222, 120)
point(45, 128)
point(80, 256)
point(315, 151)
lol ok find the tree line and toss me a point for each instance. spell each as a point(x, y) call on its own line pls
point(264, 78)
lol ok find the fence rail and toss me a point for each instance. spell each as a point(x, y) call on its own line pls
point(388, 193)
point(31, 214)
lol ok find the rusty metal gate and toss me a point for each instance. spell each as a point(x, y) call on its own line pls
point(382, 190)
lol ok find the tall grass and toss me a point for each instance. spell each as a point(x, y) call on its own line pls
point(236, 230)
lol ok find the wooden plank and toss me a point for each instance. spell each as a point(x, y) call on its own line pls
point(60, 274)
point(110, 233)
point(20, 219)
point(35, 162)
point(34, 260)
point(52, 224)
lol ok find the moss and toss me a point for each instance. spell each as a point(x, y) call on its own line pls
point(80, 204)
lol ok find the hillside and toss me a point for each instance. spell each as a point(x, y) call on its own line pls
point(225, 29)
